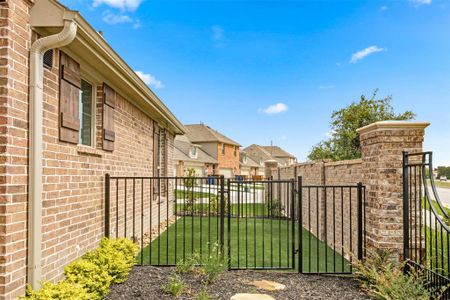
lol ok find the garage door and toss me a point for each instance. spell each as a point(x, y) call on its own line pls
point(227, 173)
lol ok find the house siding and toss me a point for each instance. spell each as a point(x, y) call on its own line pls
point(73, 175)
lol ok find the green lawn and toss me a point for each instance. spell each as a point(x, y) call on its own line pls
point(243, 209)
point(442, 184)
point(436, 206)
point(185, 194)
point(254, 243)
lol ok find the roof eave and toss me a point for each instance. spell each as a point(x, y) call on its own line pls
point(49, 14)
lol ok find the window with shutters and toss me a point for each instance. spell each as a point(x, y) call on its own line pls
point(86, 113)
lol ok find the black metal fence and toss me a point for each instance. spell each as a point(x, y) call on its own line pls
point(333, 231)
point(426, 243)
point(264, 224)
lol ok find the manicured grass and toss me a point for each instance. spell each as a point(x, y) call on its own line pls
point(186, 194)
point(243, 209)
point(437, 249)
point(442, 184)
point(436, 206)
point(254, 243)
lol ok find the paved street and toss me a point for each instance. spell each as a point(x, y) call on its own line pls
point(444, 195)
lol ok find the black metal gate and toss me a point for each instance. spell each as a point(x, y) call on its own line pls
point(426, 234)
point(332, 218)
point(267, 224)
point(261, 224)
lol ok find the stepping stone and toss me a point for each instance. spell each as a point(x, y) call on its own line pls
point(251, 297)
point(268, 285)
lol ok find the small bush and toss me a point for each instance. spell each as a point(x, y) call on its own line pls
point(187, 265)
point(60, 291)
point(384, 280)
point(94, 279)
point(203, 295)
point(213, 265)
point(117, 257)
point(276, 208)
point(175, 286)
point(89, 277)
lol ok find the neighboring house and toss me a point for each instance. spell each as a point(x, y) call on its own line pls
point(187, 156)
point(65, 122)
point(218, 146)
point(264, 153)
point(250, 169)
point(283, 157)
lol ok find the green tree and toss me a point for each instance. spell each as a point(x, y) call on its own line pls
point(443, 171)
point(344, 141)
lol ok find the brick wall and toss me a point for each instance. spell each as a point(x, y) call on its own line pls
point(73, 181)
point(331, 217)
point(15, 36)
point(73, 200)
point(228, 160)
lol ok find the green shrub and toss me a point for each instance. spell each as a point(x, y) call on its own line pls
point(203, 295)
point(60, 291)
point(175, 286)
point(117, 257)
point(93, 278)
point(89, 278)
point(187, 265)
point(384, 280)
point(213, 265)
point(276, 208)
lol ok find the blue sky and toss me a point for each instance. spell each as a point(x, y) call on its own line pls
point(275, 70)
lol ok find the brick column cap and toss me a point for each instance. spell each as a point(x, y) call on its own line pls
point(392, 125)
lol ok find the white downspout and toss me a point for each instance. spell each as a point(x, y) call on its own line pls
point(37, 51)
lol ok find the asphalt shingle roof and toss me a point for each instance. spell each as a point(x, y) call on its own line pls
point(198, 133)
point(182, 147)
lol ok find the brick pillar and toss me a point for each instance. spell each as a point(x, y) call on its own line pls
point(382, 144)
point(268, 166)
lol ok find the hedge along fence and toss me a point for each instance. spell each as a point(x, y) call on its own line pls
point(89, 277)
point(341, 212)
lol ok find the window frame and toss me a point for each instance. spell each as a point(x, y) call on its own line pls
point(93, 112)
point(223, 148)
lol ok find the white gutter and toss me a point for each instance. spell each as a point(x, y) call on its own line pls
point(37, 51)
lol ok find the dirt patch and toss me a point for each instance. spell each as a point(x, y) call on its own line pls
point(145, 283)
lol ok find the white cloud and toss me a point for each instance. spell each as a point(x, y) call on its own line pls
point(420, 2)
point(283, 137)
point(113, 19)
point(275, 108)
point(338, 64)
point(149, 79)
point(137, 24)
point(326, 87)
point(365, 52)
point(218, 33)
point(129, 5)
point(383, 8)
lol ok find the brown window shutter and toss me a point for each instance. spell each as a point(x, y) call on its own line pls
point(69, 97)
point(109, 104)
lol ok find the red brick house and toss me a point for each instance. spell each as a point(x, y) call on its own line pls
point(218, 146)
point(66, 118)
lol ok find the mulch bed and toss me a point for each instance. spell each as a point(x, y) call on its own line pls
point(145, 283)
